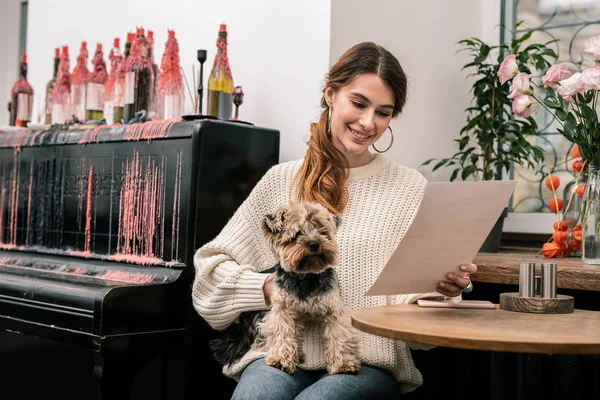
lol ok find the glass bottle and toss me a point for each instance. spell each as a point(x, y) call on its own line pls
point(61, 95)
point(139, 78)
point(155, 72)
point(590, 224)
point(94, 103)
point(573, 215)
point(50, 88)
point(21, 97)
point(109, 87)
point(220, 82)
point(170, 89)
point(79, 80)
point(119, 92)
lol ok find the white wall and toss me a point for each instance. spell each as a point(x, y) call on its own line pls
point(278, 50)
point(424, 37)
point(9, 48)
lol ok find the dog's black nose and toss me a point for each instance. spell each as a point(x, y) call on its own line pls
point(313, 246)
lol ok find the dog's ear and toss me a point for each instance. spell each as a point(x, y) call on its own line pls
point(273, 223)
point(337, 219)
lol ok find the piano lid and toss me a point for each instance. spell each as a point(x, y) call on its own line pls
point(108, 193)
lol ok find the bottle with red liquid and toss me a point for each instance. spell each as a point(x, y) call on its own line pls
point(61, 94)
point(79, 80)
point(170, 89)
point(21, 103)
point(94, 103)
point(50, 87)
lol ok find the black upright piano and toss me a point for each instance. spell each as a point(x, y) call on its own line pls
point(98, 227)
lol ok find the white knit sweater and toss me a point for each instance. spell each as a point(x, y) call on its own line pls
point(383, 201)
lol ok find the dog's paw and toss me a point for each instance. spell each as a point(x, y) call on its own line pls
point(282, 363)
point(344, 367)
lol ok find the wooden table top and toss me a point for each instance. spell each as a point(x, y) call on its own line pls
point(503, 267)
point(480, 329)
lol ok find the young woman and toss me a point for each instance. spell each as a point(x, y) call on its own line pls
point(377, 200)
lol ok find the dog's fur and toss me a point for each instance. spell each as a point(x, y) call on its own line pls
point(302, 237)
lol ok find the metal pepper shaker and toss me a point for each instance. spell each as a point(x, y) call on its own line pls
point(527, 279)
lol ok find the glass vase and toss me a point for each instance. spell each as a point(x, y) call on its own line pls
point(590, 224)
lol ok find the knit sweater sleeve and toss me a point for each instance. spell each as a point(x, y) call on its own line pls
point(227, 280)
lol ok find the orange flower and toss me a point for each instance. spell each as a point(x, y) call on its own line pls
point(560, 237)
point(575, 151)
point(551, 250)
point(574, 246)
point(576, 233)
point(552, 181)
point(560, 226)
point(577, 165)
point(580, 189)
point(555, 206)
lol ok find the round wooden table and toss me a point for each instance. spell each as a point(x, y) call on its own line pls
point(479, 329)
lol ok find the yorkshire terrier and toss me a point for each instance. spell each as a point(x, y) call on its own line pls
point(302, 237)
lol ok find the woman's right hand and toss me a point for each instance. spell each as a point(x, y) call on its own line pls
point(268, 288)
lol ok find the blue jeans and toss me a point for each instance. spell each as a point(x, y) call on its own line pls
point(260, 381)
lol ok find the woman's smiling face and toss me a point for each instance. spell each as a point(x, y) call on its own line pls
point(360, 114)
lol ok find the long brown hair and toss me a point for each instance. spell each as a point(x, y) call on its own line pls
point(323, 174)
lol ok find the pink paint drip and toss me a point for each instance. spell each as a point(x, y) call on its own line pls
point(148, 130)
point(176, 210)
point(134, 277)
point(88, 211)
point(140, 213)
point(90, 135)
point(14, 206)
point(83, 254)
point(2, 200)
point(29, 201)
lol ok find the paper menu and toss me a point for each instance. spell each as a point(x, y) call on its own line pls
point(452, 223)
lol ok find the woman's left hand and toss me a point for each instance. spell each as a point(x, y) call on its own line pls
point(456, 283)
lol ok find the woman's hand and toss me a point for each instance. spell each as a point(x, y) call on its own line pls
point(268, 288)
point(456, 283)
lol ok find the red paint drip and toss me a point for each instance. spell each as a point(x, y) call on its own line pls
point(170, 80)
point(88, 211)
point(62, 88)
point(176, 211)
point(83, 254)
point(148, 130)
point(134, 277)
point(29, 201)
point(14, 207)
point(90, 135)
point(81, 73)
point(2, 201)
point(115, 59)
point(98, 74)
point(140, 212)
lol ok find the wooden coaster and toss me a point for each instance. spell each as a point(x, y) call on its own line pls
point(560, 305)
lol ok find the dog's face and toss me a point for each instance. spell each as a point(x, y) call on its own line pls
point(302, 236)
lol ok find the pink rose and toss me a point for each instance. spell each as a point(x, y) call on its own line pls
point(570, 87)
point(524, 106)
point(555, 74)
point(520, 85)
point(592, 45)
point(508, 69)
point(590, 79)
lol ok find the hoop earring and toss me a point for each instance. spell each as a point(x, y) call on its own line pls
point(328, 121)
point(391, 142)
